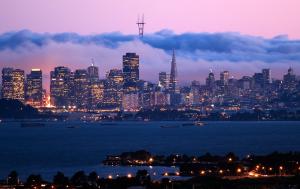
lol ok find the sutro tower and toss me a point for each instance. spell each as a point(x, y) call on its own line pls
point(140, 22)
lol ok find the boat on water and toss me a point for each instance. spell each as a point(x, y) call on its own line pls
point(108, 124)
point(169, 126)
point(199, 123)
point(31, 124)
point(196, 123)
point(73, 126)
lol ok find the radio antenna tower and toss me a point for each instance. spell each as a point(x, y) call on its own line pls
point(141, 24)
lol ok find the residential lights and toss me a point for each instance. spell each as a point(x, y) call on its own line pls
point(281, 168)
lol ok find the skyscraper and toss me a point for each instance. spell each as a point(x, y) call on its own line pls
point(96, 94)
point(224, 77)
point(210, 82)
point(93, 73)
point(7, 83)
point(173, 87)
point(163, 80)
point(114, 88)
point(266, 76)
point(81, 88)
point(34, 88)
point(289, 80)
point(173, 75)
point(60, 86)
point(130, 71)
point(18, 84)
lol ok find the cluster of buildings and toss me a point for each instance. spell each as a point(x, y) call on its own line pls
point(123, 90)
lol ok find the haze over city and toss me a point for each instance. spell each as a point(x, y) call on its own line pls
point(46, 34)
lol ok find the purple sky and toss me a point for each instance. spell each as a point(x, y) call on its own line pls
point(242, 53)
point(266, 18)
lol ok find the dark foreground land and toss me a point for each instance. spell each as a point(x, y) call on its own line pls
point(273, 171)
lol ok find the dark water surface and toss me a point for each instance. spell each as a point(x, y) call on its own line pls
point(57, 147)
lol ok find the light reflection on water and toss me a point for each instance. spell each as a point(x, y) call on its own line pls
point(73, 146)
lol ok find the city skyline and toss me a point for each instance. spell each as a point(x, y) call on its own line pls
point(123, 90)
point(206, 35)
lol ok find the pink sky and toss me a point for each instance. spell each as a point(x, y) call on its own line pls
point(266, 18)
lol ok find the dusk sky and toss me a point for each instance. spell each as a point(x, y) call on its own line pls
point(242, 36)
point(266, 18)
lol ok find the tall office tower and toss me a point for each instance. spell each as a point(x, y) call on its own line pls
point(145, 89)
point(60, 86)
point(289, 80)
point(130, 102)
point(130, 72)
point(173, 87)
point(258, 80)
point(81, 88)
point(195, 93)
point(18, 78)
point(266, 77)
point(93, 73)
point(96, 94)
point(210, 82)
point(7, 83)
point(114, 88)
point(160, 99)
point(163, 80)
point(245, 83)
point(224, 77)
point(173, 76)
point(34, 88)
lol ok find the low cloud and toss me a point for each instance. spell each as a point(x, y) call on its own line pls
point(196, 52)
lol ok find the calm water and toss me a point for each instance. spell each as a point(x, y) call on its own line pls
point(57, 147)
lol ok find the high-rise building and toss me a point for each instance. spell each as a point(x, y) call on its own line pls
point(173, 76)
point(13, 84)
point(195, 93)
point(7, 83)
point(81, 88)
point(258, 80)
point(224, 77)
point(61, 86)
point(96, 94)
point(159, 98)
point(114, 88)
point(163, 80)
point(289, 80)
point(173, 86)
point(266, 77)
point(131, 102)
point(130, 71)
point(34, 88)
point(210, 82)
point(93, 73)
point(18, 78)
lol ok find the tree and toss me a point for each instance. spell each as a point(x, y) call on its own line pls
point(60, 179)
point(13, 178)
point(34, 180)
point(79, 179)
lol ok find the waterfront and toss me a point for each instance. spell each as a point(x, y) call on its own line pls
point(58, 147)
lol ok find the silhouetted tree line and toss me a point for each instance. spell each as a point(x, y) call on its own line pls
point(15, 109)
point(142, 179)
